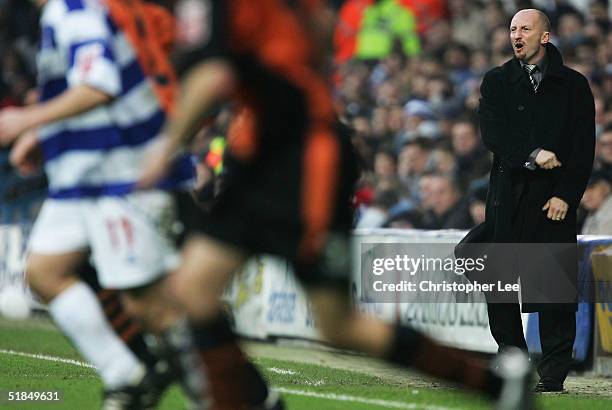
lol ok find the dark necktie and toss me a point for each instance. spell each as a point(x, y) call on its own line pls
point(531, 69)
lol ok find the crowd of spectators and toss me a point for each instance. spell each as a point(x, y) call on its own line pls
point(415, 115)
point(19, 196)
point(406, 78)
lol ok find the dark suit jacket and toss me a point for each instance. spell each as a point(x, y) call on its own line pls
point(514, 121)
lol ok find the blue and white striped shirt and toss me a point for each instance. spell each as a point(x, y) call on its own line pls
point(99, 152)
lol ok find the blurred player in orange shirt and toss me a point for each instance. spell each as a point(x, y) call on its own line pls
point(287, 192)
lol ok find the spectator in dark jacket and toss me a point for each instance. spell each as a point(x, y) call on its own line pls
point(443, 205)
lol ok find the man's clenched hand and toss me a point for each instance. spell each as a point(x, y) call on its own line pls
point(547, 160)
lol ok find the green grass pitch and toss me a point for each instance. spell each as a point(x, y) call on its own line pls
point(304, 386)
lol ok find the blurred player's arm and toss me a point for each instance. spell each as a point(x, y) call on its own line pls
point(208, 77)
point(16, 120)
point(203, 87)
point(73, 101)
point(26, 155)
point(201, 61)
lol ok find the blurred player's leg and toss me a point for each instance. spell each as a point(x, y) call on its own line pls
point(209, 266)
point(76, 310)
point(58, 246)
point(156, 314)
point(133, 249)
point(58, 249)
point(124, 326)
point(146, 313)
point(161, 371)
point(347, 328)
point(234, 382)
point(151, 306)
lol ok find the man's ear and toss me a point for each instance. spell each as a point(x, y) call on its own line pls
point(545, 38)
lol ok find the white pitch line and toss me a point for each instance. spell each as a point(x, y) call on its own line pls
point(281, 371)
point(363, 400)
point(314, 382)
point(328, 396)
point(47, 358)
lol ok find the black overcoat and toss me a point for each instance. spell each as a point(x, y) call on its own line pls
point(514, 121)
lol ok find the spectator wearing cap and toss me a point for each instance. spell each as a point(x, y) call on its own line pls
point(418, 111)
point(598, 203)
point(419, 117)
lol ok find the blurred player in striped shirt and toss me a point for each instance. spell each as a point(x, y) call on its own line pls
point(99, 111)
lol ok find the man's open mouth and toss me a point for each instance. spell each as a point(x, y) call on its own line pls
point(518, 46)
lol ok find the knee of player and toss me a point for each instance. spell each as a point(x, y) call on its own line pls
point(195, 302)
point(46, 280)
point(187, 289)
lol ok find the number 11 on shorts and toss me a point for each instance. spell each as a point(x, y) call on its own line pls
point(120, 233)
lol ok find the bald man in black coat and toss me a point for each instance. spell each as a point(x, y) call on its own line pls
point(537, 116)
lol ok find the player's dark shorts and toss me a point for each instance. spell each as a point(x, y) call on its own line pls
point(262, 208)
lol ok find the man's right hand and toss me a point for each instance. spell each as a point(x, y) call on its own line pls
point(547, 160)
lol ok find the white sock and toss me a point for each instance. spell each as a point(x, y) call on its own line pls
point(78, 313)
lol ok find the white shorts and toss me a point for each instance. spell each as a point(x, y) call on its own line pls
point(130, 237)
